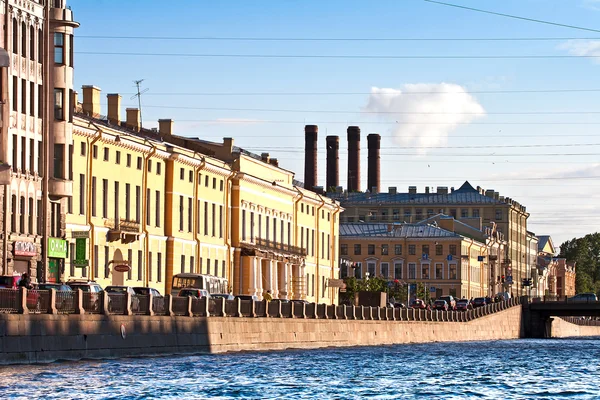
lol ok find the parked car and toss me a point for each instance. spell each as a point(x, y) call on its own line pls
point(59, 287)
point(121, 290)
point(193, 292)
point(85, 285)
point(502, 296)
point(246, 297)
point(584, 298)
point(479, 302)
point(418, 303)
point(158, 303)
point(399, 305)
point(12, 282)
point(463, 305)
point(64, 295)
point(450, 300)
point(440, 305)
point(223, 296)
point(9, 281)
point(300, 301)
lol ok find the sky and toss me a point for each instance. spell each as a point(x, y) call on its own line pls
point(488, 111)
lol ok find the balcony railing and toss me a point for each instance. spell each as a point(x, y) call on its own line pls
point(122, 225)
point(274, 245)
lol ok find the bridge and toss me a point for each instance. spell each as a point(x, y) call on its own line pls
point(537, 315)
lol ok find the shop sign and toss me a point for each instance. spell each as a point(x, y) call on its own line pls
point(80, 234)
point(121, 267)
point(338, 283)
point(24, 249)
point(57, 248)
point(80, 248)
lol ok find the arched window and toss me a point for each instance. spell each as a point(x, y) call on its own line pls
point(13, 217)
point(23, 39)
point(32, 43)
point(15, 33)
point(22, 215)
point(30, 216)
point(40, 45)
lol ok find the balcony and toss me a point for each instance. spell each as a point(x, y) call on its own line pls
point(493, 257)
point(273, 246)
point(59, 188)
point(122, 229)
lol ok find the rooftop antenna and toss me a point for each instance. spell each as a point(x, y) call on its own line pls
point(139, 97)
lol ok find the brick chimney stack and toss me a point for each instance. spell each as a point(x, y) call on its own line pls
point(310, 156)
point(373, 174)
point(333, 162)
point(353, 159)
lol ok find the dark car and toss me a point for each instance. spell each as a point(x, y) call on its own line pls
point(62, 287)
point(246, 297)
point(300, 301)
point(223, 296)
point(158, 301)
point(463, 305)
point(145, 291)
point(450, 300)
point(441, 305)
point(583, 298)
point(479, 301)
point(193, 292)
point(418, 304)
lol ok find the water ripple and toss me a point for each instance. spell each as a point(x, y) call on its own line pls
point(541, 369)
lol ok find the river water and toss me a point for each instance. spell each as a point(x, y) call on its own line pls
point(519, 369)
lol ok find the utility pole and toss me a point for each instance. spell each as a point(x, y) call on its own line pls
point(139, 97)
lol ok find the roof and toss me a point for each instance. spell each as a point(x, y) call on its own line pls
point(358, 229)
point(466, 194)
point(544, 241)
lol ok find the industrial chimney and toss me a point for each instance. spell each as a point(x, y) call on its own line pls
point(373, 174)
point(310, 156)
point(333, 162)
point(353, 159)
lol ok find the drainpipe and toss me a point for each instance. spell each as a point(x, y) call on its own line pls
point(333, 258)
point(90, 199)
point(145, 213)
point(300, 197)
point(227, 194)
point(318, 263)
point(5, 118)
point(197, 210)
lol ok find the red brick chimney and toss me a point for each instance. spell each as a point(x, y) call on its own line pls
point(373, 174)
point(333, 162)
point(353, 159)
point(310, 156)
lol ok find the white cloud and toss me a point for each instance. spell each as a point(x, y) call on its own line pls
point(582, 48)
point(591, 4)
point(425, 113)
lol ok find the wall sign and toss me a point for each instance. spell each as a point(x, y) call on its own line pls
point(24, 249)
point(57, 248)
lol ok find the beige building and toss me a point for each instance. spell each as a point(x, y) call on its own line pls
point(484, 208)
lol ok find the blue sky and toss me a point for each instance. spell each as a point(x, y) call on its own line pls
point(488, 118)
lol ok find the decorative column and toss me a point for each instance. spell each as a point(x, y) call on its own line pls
point(283, 290)
point(274, 279)
point(303, 288)
point(257, 265)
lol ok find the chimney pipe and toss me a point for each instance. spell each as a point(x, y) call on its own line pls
point(114, 108)
point(165, 126)
point(91, 100)
point(353, 158)
point(333, 162)
point(310, 156)
point(373, 174)
point(133, 119)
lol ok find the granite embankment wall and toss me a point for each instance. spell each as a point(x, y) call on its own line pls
point(561, 328)
point(46, 338)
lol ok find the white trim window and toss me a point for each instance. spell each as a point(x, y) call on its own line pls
point(385, 270)
point(412, 270)
point(398, 270)
point(439, 271)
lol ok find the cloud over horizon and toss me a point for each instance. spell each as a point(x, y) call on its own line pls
point(582, 48)
point(425, 113)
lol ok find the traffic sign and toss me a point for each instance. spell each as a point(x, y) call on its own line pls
point(432, 289)
point(449, 258)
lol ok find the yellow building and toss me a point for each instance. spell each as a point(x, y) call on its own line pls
point(449, 262)
point(148, 204)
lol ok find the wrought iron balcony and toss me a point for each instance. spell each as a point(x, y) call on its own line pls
point(271, 245)
point(123, 229)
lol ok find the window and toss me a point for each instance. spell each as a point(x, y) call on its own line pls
point(221, 185)
point(149, 266)
point(118, 157)
point(104, 198)
point(95, 151)
point(322, 245)
point(243, 225)
point(15, 93)
point(40, 46)
point(59, 95)
point(223, 268)
point(127, 201)
point(148, 205)
point(180, 213)
point(252, 226)
point(464, 213)
point(385, 269)
point(130, 260)
point(344, 250)
point(159, 267)
point(15, 152)
point(398, 249)
point(384, 249)
point(140, 265)
point(267, 228)
point(138, 193)
point(430, 212)
point(425, 271)
point(419, 214)
point(30, 215)
point(208, 266)
point(83, 151)
point(59, 48)
point(498, 215)
point(191, 176)
point(475, 213)
point(93, 199)
point(106, 266)
point(214, 183)
point(452, 272)
point(396, 214)
point(452, 249)
point(72, 259)
point(412, 271)
point(71, 59)
point(128, 164)
point(40, 102)
point(59, 161)
point(13, 216)
point(192, 264)
point(157, 209)
point(216, 273)
point(221, 222)
point(96, 263)
point(31, 99)
point(214, 207)
point(398, 270)
point(439, 271)
point(206, 180)
point(343, 270)
point(24, 153)
point(23, 97)
point(371, 249)
point(181, 173)
point(312, 248)
point(139, 163)
point(106, 154)
point(158, 168)
point(425, 249)
point(23, 40)
point(453, 212)
point(412, 249)
point(371, 268)
point(358, 270)
point(206, 218)
point(357, 250)
point(15, 38)
point(81, 194)
point(190, 214)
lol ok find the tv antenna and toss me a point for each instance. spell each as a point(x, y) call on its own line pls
point(139, 97)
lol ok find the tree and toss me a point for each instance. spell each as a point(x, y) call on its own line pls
point(585, 251)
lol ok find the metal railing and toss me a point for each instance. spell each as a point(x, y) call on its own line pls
point(180, 305)
point(65, 302)
point(117, 303)
point(93, 303)
point(9, 301)
point(274, 245)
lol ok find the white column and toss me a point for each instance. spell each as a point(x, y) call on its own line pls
point(257, 263)
point(285, 288)
point(275, 278)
